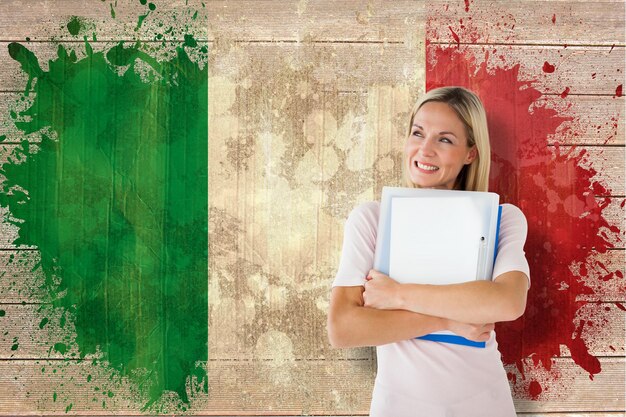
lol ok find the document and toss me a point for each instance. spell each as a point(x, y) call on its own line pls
point(437, 237)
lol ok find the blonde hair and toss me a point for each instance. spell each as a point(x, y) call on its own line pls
point(470, 110)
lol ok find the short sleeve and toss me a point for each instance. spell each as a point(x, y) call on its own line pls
point(512, 237)
point(359, 243)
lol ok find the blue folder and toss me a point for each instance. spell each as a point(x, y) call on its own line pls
point(486, 230)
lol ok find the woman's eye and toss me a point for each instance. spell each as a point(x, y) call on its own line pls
point(418, 134)
point(445, 140)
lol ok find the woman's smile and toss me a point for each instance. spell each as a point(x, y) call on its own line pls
point(426, 167)
point(437, 149)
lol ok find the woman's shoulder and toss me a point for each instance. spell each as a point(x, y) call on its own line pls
point(367, 207)
point(365, 214)
point(513, 215)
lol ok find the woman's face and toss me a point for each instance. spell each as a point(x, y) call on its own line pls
point(436, 149)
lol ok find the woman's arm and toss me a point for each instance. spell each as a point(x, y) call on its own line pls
point(503, 299)
point(352, 324)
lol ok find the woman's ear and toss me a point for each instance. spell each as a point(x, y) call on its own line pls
point(471, 156)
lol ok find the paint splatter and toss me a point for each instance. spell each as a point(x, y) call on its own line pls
point(555, 191)
point(114, 195)
point(618, 91)
point(455, 36)
point(534, 389)
point(60, 347)
point(554, 18)
point(548, 68)
point(565, 92)
point(74, 26)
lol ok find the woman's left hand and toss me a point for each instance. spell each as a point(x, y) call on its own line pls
point(381, 292)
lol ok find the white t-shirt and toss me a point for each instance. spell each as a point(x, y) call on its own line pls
point(425, 378)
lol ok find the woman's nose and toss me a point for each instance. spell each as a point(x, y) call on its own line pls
point(427, 147)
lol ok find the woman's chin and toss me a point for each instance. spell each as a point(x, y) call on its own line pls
point(432, 185)
point(422, 182)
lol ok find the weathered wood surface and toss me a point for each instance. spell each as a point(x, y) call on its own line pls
point(601, 394)
point(577, 23)
point(325, 20)
point(592, 122)
point(271, 387)
point(597, 120)
point(13, 79)
point(576, 67)
point(41, 20)
point(35, 337)
point(530, 22)
point(357, 65)
point(341, 66)
point(606, 161)
point(345, 58)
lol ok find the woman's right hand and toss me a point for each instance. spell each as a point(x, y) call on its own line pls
point(471, 331)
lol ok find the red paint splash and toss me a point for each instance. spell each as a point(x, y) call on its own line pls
point(548, 68)
point(467, 4)
point(618, 91)
point(455, 36)
point(556, 193)
point(553, 18)
point(534, 388)
point(565, 92)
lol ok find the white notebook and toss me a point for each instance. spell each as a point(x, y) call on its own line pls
point(430, 236)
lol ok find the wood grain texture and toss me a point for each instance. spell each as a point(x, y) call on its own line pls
point(595, 119)
point(577, 23)
point(36, 336)
point(41, 20)
point(576, 67)
point(341, 66)
point(287, 127)
point(324, 21)
point(357, 65)
point(530, 22)
point(302, 91)
point(243, 388)
point(607, 162)
point(353, 397)
point(13, 79)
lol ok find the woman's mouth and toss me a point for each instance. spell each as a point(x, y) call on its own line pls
point(425, 167)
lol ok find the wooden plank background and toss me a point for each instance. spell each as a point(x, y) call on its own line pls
point(308, 101)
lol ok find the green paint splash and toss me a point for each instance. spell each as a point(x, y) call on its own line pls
point(117, 205)
point(74, 26)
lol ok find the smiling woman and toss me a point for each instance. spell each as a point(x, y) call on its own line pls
point(447, 148)
point(435, 156)
point(447, 133)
